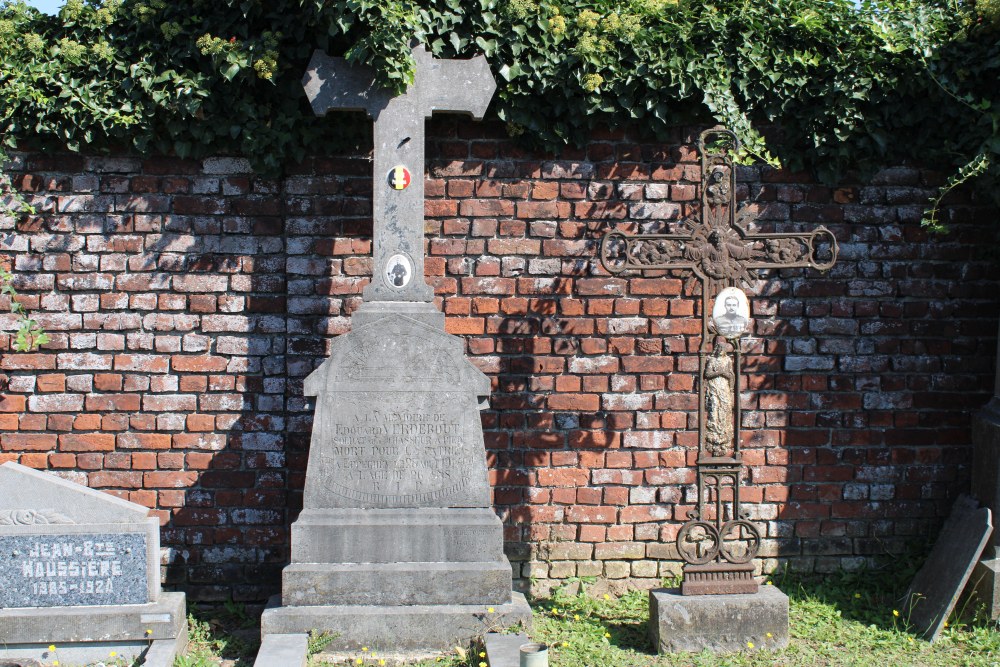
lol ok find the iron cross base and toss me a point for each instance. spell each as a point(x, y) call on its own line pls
point(718, 579)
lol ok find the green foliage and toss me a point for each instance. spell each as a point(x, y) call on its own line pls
point(29, 334)
point(218, 635)
point(835, 619)
point(842, 86)
point(318, 641)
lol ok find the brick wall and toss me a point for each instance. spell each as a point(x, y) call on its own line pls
point(187, 300)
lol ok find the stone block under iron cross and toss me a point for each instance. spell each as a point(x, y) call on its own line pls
point(460, 86)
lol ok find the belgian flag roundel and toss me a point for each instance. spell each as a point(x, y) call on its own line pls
point(399, 177)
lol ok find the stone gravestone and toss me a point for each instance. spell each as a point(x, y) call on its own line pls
point(81, 570)
point(397, 546)
point(932, 594)
point(986, 488)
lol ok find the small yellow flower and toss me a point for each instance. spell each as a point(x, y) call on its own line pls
point(489, 610)
point(749, 644)
point(576, 617)
point(607, 635)
point(607, 597)
point(483, 664)
point(149, 631)
point(911, 639)
point(768, 582)
point(358, 661)
point(769, 635)
point(52, 647)
point(381, 661)
point(895, 612)
point(112, 654)
point(857, 596)
point(565, 643)
point(364, 649)
point(482, 654)
point(946, 624)
point(55, 663)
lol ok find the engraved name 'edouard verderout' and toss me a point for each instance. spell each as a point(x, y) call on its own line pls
point(378, 454)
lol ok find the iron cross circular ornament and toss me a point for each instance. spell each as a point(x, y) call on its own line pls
point(399, 177)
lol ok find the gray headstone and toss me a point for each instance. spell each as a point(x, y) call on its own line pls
point(81, 569)
point(64, 545)
point(932, 594)
point(397, 421)
point(397, 544)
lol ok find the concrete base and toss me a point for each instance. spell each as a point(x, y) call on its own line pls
point(504, 650)
point(397, 628)
point(283, 650)
point(719, 623)
point(411, 535)
point(89, 634)
point(395, 583)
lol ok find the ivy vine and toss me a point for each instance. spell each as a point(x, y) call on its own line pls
point(837, 86)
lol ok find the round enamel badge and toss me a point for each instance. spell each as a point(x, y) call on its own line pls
point(399, 177)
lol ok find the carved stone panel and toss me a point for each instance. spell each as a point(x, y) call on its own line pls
point(397, 421)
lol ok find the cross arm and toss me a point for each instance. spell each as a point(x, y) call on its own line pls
point(335, 84)
point(459, 86)
point(719, 254)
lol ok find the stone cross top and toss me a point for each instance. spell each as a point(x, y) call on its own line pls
point(463, 86)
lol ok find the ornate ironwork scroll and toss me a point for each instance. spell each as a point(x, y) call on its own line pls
point(719, 542)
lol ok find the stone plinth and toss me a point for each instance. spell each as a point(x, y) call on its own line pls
point(397, 546)
point(398, 628)
point(719, 623)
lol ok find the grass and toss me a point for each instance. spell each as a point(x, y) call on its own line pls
point(835, 620)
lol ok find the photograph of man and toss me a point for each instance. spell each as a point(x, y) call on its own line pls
point(731, 313)
point(398, 272)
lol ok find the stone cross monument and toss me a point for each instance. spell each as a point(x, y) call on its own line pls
point(397, 545)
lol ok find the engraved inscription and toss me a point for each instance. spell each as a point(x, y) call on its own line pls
point(74, 569)
point(379, 453)
point(396, 360)
point(472, 539)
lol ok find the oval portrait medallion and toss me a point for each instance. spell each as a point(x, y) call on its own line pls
point(398, 271)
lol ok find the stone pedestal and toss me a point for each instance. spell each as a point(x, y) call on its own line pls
point(397, 546)
point(719, 623)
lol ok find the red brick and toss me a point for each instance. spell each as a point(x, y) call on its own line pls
point(563, 477)
point(87, 442)
point(50, 382)
point(199, 364)
point(579, 402)
point(27, 442)
point(168, 480)
point(144, 440)
point(113, 402)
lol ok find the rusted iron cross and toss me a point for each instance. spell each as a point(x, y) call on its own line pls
point(720, 251)
point(463, 86)
point(717, 248)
